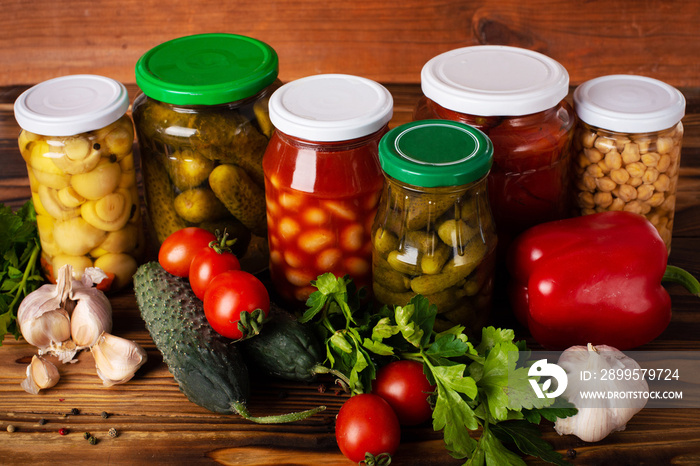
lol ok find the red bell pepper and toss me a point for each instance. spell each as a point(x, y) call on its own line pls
point(593, 279)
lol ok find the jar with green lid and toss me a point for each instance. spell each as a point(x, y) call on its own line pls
point(77, 142)
point(434, 233)
point(627, 148)
point(203, 127)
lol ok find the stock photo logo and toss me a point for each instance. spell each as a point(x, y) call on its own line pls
point(541, 369)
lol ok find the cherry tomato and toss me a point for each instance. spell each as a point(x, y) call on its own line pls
point(207, 264)
point(177, 251)
point(406, 388)
point(228, 295)
point(366, 423)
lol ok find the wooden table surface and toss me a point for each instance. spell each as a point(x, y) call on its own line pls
point(158, 425)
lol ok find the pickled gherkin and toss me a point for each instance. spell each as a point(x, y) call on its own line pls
point(433, 234)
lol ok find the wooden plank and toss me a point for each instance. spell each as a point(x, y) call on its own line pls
point(382, 40)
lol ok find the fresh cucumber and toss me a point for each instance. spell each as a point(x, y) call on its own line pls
point(208, 367)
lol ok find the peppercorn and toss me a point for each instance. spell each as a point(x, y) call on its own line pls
point(571, 453)
point(75, 411)
point(42, 421)
point(86, 435)
point(112, 432)
point(63, 431)
point(96, 146)
point(11, 428)
point(92, 440)
point(104, 414)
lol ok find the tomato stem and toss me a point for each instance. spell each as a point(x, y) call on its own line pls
point(240, 408)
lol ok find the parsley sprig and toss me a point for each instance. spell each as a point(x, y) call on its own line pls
point(19, 274)
point(477, 387)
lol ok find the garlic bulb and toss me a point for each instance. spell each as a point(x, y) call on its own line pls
point(43, 317)
point(117, 359)
point(91, 316)
point(598, 417)
point(41, 374)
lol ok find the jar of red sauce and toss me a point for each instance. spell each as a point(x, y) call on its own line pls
point(323, 179)
point(515, 96)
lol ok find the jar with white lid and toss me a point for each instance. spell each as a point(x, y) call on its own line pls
point(77, 142)
point(517, 98)
point(323, 179)
point(627, 147)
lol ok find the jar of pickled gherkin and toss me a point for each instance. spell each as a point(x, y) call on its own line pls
point(323, 179)
point(517, 98)
point(627, 147)
point(77, 142)
point(434, 234)
point(203, 126)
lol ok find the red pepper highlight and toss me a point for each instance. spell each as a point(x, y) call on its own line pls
point(593, 279)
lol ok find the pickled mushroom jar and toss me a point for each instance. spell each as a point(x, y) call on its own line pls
point(434, 233)
point(203, 126)
point(516, 97)
point(323, 179)
point(77, 142)
point(627, 148)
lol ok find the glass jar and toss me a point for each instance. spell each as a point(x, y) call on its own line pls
point(323, 179)
point(77, 142)
point(628, 148)
point(434, 233)
point(203, 126)
point(516, 97)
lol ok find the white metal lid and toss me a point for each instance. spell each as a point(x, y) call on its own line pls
point(494, 80)
point(71, 105)
point(629, 104)
point(331, 107)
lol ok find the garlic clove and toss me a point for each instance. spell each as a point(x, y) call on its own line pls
point(51, 327)
point(91, 317)
point(41, 374)
point(117, 359)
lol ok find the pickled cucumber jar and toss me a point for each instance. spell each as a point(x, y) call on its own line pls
point(434, 233)
point(627, 147)
point(203, 126)
point(517, 97)
point(77, 142)
point(323, 179)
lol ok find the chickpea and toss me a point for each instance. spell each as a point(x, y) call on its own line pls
point(613, 160)
point(585, 200)
point(656, 199)
point(669, 204)
point(663, 163)
point(630, 154)
point(627, 193)
point(635, 169)
point(664, 145)
point(593, 155)
point(617, 204)
point(594, 171)
point(650, 175)
point(662, 183)
point(582, 161)
point(604, 144)
point(603, 199)
point(605, 184)
point(589, 183)
point(588, 138)
point(644, 192)
point(651, 159)
point(634, 182)
point(619, 175)
point(633, 206)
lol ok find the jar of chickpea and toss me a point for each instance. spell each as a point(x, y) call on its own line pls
point(77, 143)
point(627, 147)
point(323, 179)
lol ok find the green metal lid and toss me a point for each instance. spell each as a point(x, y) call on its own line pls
point(432, 153)
point(206, 69)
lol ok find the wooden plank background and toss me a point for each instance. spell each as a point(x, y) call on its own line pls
point(384, 40)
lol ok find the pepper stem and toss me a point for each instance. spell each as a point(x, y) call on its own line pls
point(241, 409)
point(677, 275)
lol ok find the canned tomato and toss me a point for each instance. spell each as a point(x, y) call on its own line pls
point(323, 179)
point(628, 147)
point(434, 234)
point(203, 126)
point(516, 97)
point(77, 142)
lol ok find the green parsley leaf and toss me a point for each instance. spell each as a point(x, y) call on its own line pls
point(528, 438)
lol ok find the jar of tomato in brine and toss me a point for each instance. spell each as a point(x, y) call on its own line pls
point(433, 234)
point(323, 180)
point(515, 96)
